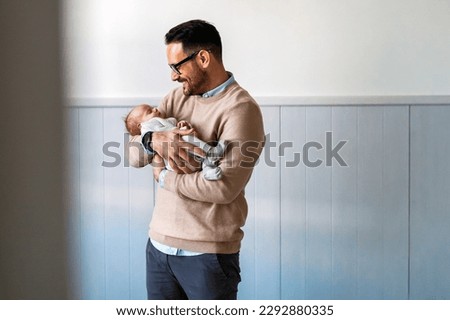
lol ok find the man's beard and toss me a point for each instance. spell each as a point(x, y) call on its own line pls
point(197, 84)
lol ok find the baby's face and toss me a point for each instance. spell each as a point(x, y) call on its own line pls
point(146, 113)
point(150, 113)
point(138, 115)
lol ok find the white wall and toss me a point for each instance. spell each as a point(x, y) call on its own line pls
point(115, 49)
point(342, 232)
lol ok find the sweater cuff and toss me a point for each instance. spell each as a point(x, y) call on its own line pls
point(162, 178)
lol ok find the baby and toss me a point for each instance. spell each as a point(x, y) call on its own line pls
point(146, 118)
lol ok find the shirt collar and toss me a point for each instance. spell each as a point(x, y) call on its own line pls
point(219, 88)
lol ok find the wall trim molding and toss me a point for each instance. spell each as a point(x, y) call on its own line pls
point(281, 100)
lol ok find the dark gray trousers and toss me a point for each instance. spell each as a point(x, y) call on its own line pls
point(202, 277)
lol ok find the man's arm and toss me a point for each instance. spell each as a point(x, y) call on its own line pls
point(136, 155)
point(171, 146)
point(167, 143)
point(244, 129)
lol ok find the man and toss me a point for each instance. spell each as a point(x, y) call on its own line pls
point(195, 232)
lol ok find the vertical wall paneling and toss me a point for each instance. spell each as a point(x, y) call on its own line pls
point(267, 211)
point(260, 252)
point(430, 202)
point(374, 229)
point(318, 205)
point(395, 200)
point(354, 228)
point(93, 264)
point(344, 204)
point(117, 219)
point(382, 207)
point(370, 195)
point(293, 202)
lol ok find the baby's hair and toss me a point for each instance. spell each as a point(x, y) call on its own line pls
point(130, 124)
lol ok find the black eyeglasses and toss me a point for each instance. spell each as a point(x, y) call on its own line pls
point(174, 66)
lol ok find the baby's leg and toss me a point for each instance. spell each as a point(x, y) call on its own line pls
point(198, 143)
point(214, 154)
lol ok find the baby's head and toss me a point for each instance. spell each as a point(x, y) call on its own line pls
point(137, 115)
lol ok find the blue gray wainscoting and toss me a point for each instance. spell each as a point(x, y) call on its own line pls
point(346, 202)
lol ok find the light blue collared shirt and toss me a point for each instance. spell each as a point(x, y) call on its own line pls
point(220, 88)
point(173, 251)
point(162, 247)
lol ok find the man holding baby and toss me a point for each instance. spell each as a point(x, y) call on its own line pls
point(196, 228)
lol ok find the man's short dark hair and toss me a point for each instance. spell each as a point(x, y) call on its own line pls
point(196, 35)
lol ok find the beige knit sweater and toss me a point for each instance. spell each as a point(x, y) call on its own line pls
point(191, 212)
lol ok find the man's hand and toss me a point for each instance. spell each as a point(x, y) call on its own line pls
point(170, 146)
point(184, 125)
point(158, 166)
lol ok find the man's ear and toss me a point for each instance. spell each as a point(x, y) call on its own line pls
point(205, 58)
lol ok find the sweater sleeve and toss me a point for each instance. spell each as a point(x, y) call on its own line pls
point(243, 130)
point(136, 155)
